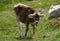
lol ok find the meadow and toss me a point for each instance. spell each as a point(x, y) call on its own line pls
point(43, 32)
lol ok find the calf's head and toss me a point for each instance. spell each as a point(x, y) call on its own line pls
point(36, 16)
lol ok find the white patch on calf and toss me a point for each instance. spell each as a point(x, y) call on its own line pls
point(30, 16)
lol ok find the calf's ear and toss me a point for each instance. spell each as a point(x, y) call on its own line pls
point(32, 15)
point(42, 15)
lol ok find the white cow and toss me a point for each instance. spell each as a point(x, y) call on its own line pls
point(54, 11)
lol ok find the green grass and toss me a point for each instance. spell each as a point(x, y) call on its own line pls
point(8, 4)
point(9, 29)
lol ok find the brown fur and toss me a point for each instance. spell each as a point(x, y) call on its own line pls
point(23, 12)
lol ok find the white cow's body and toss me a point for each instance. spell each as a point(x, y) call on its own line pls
point(54, 11)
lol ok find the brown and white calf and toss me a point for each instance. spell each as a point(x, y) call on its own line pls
point(27, 15)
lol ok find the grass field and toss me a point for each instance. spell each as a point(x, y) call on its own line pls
point(9, 29)
point(43, 32)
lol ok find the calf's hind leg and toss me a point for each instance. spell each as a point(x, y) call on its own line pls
point(20, 27)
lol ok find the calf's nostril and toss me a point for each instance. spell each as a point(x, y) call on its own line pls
point(36, 23)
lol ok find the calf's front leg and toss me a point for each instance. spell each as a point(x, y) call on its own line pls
point(33, 25)
point(26, 29)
